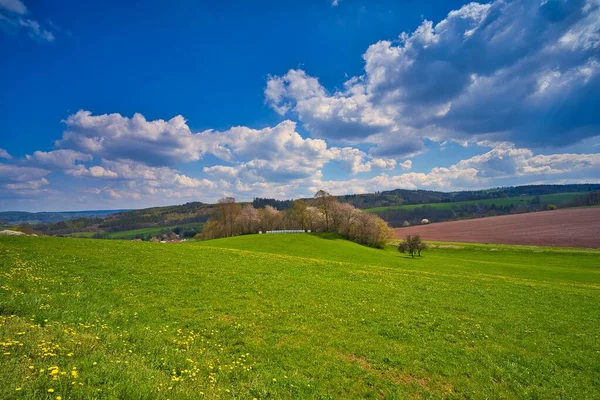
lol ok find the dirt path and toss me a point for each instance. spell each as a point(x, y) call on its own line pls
point(575, 227)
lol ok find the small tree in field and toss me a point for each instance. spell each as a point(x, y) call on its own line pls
point(412, 245)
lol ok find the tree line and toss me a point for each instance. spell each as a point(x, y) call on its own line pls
point(323, 213)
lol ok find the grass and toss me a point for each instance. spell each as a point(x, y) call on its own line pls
point(556, 198)
point(295, 316)
point(133, 233)
point(155, 230)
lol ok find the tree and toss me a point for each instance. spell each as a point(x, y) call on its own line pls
point(270, 218)
point(248, 220)
point(370, 230)
point(412, 245)
point(326, 203)
point(227, 212)
point(299, 214)
point(343, 216)
point(315, 220)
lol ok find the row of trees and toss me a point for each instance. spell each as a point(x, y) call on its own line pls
point(323, 213)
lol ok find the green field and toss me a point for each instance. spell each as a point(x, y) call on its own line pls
point(499, 202)
point(295, 316)
point(133, 233)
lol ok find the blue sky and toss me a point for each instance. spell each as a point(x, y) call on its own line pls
point(123, 105)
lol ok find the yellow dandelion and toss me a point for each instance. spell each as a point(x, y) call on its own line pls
point(74, 373)
point(18, 389)
point(50, 390)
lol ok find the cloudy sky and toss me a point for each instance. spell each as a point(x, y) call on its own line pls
point(128, 105)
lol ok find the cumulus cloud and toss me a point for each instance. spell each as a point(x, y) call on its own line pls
point(406, 164)
point(520, 71)
point(21, 181)
point(61, 159)
point(515, 162)
point(12, 17)
point(114, 136)
point(277, 153)
point(477, 172)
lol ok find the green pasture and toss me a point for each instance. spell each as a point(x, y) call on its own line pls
point(295, 316)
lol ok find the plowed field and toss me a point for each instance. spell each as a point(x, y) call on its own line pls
point(575, 227)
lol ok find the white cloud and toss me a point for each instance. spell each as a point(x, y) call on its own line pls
point(406, 164)
point(13, 6)
point(29, 185)
point(21, 181)
point(12, 17)
point(17, 173)
point(4, 154)
point(62, 159)
point(519, 71)
point(514, 162)
point(114, 136)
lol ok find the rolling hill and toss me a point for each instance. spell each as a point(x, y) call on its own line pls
point(295, 316)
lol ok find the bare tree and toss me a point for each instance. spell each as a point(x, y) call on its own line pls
point(248, 220)
point(326, 202)
point(343, 216)
point(315, 220)
point(270, 218)
point(227, 211)
point(298, 214)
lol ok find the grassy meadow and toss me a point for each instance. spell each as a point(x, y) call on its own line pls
point(499, 202)
point(134, 233)
point(295, 316)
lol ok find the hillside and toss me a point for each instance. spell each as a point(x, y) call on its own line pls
point(295, 316)
point(22, 217)
point(394, 206)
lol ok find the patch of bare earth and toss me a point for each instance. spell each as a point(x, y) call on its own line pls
point(575, 227)
point(397, 377)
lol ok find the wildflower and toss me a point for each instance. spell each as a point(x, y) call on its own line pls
point(274, 380)
point(58, 398)
point(74, 373)
point(18, 389)
point(50, 390)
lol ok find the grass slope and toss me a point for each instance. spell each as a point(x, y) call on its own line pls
point(295, 316)
point(500, 202)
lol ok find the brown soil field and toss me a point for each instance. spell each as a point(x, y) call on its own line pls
point(575, 227)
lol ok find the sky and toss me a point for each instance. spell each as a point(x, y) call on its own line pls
point(124, 104)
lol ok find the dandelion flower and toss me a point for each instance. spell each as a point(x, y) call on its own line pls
point(50, 390)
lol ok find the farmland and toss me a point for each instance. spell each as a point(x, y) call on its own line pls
point(577, 227)
point(295, 316)
point(556, 198)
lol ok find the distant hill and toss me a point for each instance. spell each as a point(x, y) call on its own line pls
point(23, 217)
point(395, 206)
